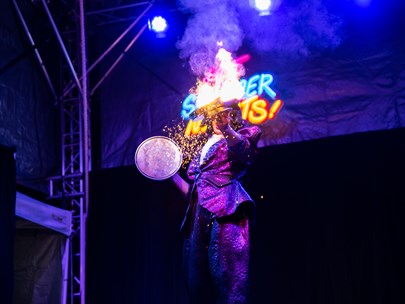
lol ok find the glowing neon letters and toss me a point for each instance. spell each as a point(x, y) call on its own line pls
point(254, 108)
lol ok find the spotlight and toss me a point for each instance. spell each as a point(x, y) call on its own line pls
point(263, 6)
point(158, 25)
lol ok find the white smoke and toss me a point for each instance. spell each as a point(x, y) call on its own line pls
point(294, 28)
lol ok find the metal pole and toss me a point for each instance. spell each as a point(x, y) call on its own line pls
point(62, 45)
point(116, 8)
point(24, 24)
point(84, 209)
point(118, 59)
point(71, 86)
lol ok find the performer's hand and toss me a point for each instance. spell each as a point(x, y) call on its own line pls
point(221, 125)
point(221, 121)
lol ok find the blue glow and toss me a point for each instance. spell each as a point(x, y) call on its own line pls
point(363, 3)
point(251, 85)
point(262, 5)
point(264, 85)
point(158, 24)
point(188, 106)
point(259, 84)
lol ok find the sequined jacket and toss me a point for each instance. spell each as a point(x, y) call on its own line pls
point(217, 178)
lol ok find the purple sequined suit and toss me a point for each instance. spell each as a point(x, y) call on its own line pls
point(216, 226)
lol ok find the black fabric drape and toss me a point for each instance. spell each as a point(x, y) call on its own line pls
point(7, 222)
point(329, 227)
point(134, 248)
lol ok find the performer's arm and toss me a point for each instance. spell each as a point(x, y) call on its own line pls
point(181, 184)
point(242, 145)
point(232, 137)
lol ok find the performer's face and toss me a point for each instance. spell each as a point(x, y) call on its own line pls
point(220, 122)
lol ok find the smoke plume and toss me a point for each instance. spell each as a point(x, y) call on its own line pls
point(213, 21)
point(294, 28)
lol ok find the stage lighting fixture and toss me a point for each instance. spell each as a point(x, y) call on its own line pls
point(158, 25)
point(262, 6)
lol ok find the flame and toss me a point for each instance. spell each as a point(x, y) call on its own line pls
point(221, 81)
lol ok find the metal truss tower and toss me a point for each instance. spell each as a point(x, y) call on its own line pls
point(71, 187)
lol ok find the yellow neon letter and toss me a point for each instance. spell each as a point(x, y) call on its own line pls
point(194, 127)
point(245, 106)
point(275, 107)
point(258, 112)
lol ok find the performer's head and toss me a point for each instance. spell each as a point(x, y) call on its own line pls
point(233, 115)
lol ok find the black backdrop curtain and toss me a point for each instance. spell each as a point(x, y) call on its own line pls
point(134, 248)
point(329, 226)
point(7, 222)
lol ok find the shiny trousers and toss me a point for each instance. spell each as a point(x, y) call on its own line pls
point(216, 258)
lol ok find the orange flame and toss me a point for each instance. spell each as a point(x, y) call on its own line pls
point(221, 81)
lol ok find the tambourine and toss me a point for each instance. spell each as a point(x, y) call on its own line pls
point(158, 158)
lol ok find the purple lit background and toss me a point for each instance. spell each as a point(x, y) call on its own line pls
point(338, 67)
point(329, 192)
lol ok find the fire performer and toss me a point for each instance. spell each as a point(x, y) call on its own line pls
point(217, 224)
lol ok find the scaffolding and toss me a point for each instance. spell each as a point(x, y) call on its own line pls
point(72, 185)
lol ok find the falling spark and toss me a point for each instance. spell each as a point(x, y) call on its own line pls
point(190, 146)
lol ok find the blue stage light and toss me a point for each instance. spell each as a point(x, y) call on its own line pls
point(158, 25)
point(262, 6)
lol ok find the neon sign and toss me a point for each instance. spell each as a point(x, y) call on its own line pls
point(255, 108)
